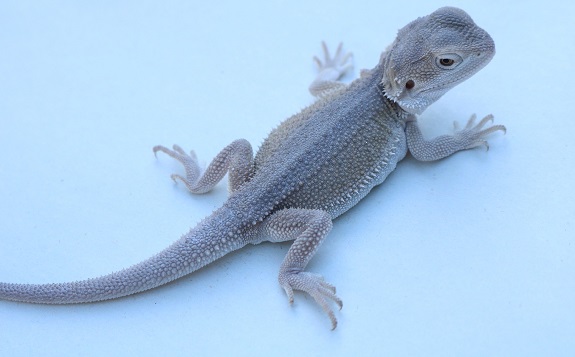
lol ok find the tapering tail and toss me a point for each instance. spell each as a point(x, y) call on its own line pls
point(213, 238)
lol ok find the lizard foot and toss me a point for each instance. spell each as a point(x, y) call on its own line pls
point(339, 64)
point(190, 162)
point(315, 285)
point(331, 69)
point(474, 135)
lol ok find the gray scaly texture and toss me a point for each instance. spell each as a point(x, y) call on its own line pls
point(314, 166)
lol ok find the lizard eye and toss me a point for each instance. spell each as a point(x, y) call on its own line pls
point(448, 60)
point(409, 84)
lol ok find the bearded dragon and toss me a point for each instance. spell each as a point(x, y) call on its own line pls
point(314, 167)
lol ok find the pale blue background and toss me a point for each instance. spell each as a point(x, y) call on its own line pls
point(471, 256)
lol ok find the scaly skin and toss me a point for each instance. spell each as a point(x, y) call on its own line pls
point(314, 166)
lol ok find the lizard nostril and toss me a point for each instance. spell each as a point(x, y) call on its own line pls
point(410, 84)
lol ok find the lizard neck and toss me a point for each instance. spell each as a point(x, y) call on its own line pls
point(374, 79)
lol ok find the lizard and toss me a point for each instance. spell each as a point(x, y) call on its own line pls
point(314, 166)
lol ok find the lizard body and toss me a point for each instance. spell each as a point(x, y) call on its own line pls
point(314, 166)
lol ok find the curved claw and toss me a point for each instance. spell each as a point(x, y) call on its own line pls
point(485, 120)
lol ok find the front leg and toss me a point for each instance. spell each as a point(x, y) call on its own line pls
point(235, 159)
point(442, 146)
point(309, 228)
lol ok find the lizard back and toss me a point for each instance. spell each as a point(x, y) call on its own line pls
point(332, 153)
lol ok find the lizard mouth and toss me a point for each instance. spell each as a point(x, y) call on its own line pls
point(443, 86)
point(414, 100)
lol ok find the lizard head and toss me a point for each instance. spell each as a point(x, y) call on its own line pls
point(431, 55)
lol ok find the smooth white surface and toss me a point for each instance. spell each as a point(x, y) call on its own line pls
point(470, 256)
